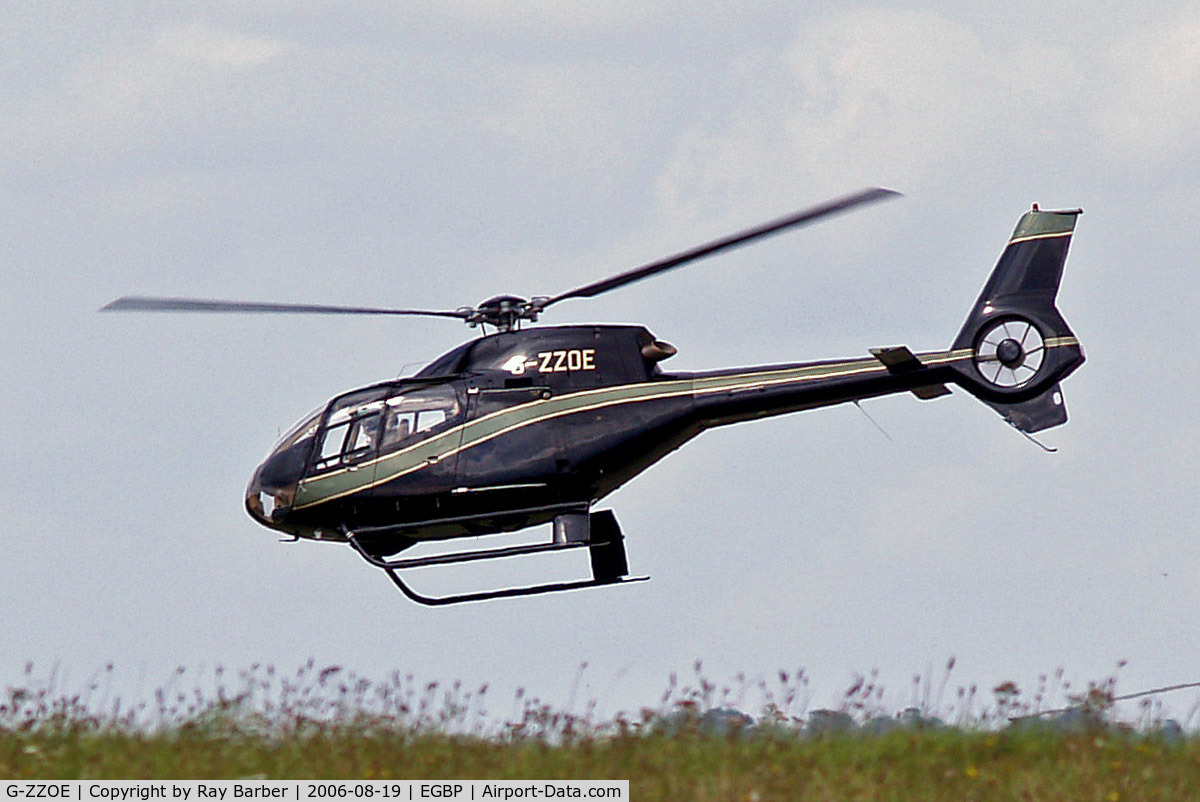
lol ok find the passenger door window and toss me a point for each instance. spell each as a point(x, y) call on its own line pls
point(418, 412)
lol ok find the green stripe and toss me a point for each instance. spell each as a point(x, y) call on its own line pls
point(340, 483)
point(1040, 224)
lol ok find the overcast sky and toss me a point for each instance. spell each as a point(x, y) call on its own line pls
point(433, 154)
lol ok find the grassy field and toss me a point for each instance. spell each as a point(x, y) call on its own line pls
point(948, 765)
point(324, 725)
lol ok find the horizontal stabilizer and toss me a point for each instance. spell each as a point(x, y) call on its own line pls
point(931, 391)
point(897, 359)
point(900, 361)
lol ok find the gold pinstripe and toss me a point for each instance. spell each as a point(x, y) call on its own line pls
point(1051, 235)
point(622, 394)
point(684, 387)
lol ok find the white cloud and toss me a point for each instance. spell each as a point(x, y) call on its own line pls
point(106, 99)
point(872, 96)
point(568, 113)
point(1148, 98)
point(219, 49)
point(551, 15)
point(916, 99)
point(171, 73)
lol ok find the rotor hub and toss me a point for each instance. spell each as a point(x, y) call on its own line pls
point(1010, 353)
point(504, 312)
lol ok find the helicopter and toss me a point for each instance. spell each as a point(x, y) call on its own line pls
point(528, 426)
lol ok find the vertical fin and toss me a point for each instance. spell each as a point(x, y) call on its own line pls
point(1020, 346)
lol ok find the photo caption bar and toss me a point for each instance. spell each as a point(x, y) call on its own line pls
point(314, 790)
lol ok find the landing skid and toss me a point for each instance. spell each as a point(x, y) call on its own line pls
point(599, 533)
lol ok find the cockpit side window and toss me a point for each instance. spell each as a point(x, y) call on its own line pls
point(331, 446)
point(351, 431)
point(416, 413)
point(364, 432)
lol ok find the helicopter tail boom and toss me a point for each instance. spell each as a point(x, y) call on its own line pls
point(1019, 345)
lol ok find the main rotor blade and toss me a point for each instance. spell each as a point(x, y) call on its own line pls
point(134, 303)
point(732, 241)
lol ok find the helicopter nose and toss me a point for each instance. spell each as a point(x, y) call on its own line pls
point(272, 488)
point(269, 500)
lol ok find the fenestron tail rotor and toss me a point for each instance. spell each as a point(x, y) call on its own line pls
point(1010, 352)
point(505, 312)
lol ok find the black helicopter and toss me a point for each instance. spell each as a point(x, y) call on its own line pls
point(525, 427)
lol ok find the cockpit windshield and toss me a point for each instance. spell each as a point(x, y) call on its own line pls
point(304, 428)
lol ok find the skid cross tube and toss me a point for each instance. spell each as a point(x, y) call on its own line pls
point(568, 506)
point(463, 556)
point(392, 567)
